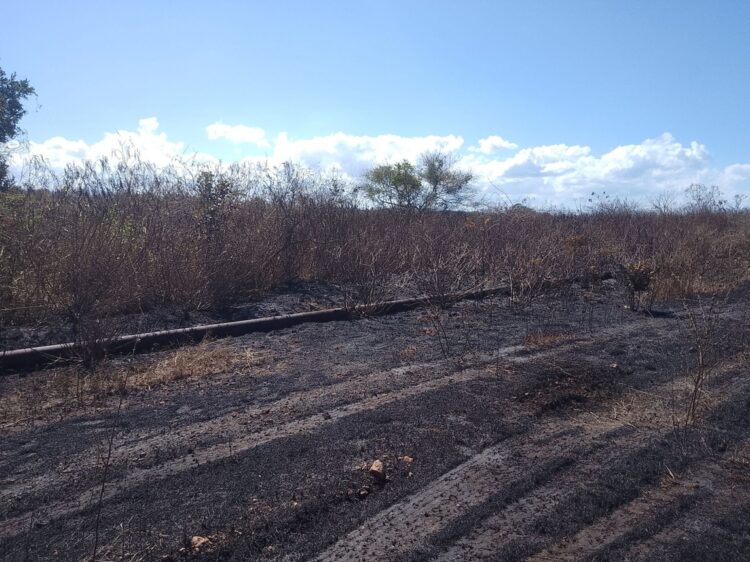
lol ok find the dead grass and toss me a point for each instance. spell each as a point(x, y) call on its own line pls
point(546, 340)
point(59, 393)
point(407, 354)
point(119, 235)
point(202, 360)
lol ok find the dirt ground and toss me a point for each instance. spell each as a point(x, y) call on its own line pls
point(555, 430)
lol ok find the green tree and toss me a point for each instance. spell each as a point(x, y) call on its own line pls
point(13, 92)
point(433, 183)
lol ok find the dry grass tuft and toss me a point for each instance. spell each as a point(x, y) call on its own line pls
point(406, 355)
point(546, 340)
point(202, 360)
point(65, 391)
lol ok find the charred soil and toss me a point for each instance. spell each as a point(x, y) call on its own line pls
point(551, 430)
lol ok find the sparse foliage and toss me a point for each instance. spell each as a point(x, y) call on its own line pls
point(13, 92)
point(433, 184)
point(130, 239)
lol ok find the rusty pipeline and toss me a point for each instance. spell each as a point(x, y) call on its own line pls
point(32, 358)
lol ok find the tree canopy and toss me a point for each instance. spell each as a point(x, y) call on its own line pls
point(13, 92)
point(434, 183)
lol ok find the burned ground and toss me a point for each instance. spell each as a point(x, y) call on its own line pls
point(551, 430)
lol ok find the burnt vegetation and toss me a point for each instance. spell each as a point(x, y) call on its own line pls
point(601, 390)
point(102, 240)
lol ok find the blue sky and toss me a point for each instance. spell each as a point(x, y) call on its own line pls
point(632, 97)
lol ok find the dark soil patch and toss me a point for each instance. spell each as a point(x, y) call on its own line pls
point(384, 389)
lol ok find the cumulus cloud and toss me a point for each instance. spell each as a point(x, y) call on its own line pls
point(534, 162)
point(352, 154)
point(238, 134)
point(556, 174)
point(146, 141)
point(737, 173)
point(560, 174)
point(491, 144)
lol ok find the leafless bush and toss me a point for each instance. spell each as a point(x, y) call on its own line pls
point(102, 240)
point(702, 323)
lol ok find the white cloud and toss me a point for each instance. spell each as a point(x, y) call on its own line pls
point(491, 144)
point(535, 162)
point(556, 174)
point(736, 174)
point(151, 146)
point(353, 154)
point(560, 174)
point(238, 134)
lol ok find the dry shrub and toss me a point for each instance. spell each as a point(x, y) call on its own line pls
point(638, 278)
point(103, 240)
point(705, 261)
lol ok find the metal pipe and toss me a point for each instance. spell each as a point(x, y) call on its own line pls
point(32, 358)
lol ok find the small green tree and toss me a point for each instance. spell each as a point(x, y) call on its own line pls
point(13, 92)
point(433, 184)
point(6, 181)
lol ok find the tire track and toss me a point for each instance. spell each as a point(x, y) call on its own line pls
point(410, 525)
point(221, 451)
point(513, 523)
point(241, 441)
point(705, 481)
point(613, 528)
point(719, 502)
point(232, 424)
